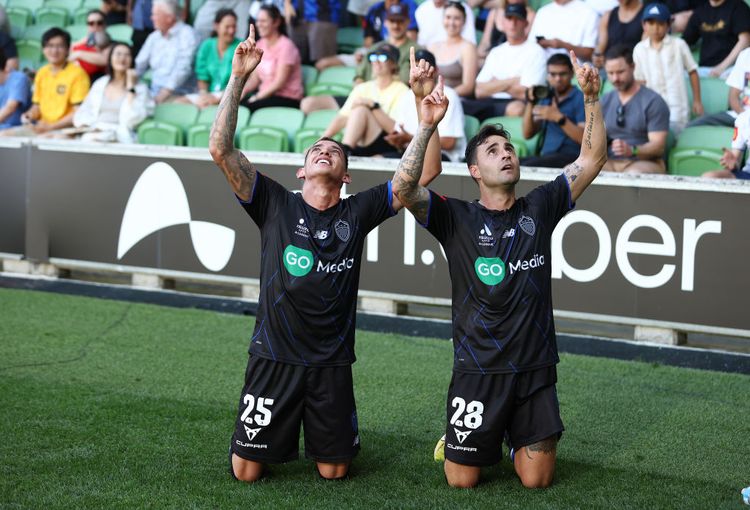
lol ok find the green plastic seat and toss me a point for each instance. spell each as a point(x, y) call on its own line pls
point(121, 32)
point(52, 16)
point(178, 114)
point(304, 138)
point(32, 5)
point(309, 77)
point(207, 115)
point(91, 4)
point(714, 95)
point(19, 17)
point(514, 126)
point(154, 132)
point(80, 15)
point(471, 126)
point(197, 135)
point(349, 39)
point(35, 32)
point(264, 138)
point(279, 117)
point(77, 32)
point(329, 89)
point(29, 53)
point(693, 162)
point(341, 75)
point(319, 119)
point(705, 137)
point(70, 6)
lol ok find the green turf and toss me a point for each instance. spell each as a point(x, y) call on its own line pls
point(108, 404)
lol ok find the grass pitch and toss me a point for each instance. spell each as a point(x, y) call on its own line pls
point(109, 404)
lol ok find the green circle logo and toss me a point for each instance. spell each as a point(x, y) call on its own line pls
point(297, 261)
point(490, 271)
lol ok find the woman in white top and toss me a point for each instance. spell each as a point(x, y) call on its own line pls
point(456, 57)
point(116, 103)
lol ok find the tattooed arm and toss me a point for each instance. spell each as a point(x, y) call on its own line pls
point(238, 170)
point(584, 170)
point(405, 183)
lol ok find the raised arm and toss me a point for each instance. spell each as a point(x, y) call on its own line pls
point(405, 184)
point(583, 170)
point(422, 78)
point(239, 171)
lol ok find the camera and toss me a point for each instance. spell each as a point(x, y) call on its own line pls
point(541, 92)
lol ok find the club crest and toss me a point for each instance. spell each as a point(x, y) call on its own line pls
point(527, 225)
point(342, 229)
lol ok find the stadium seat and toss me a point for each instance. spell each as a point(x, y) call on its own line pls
point(35, 32)
point(29, 53)
point(178, 114)
point(263, 138)
point(698, 149)
point(19, 17)
point(714, 95)
point(304, 138)
point(91, 4)
point(197, 135)
point(69, 5)
point(77, 32)
point(514, 126)
point(606, 87)
point(341, 75)
point(471, 126)
point(329, 89)
point(207, 115)
point(349, 39)
point(279, 117)
point(693, 162)
point(705, 137)
point(80, 15)
point(52, 16)
point(32, 5)
point(154, 132)
point(319, 119)
point(121, 32)
point(309, 77)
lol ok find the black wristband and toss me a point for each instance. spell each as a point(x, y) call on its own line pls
point(132, 90)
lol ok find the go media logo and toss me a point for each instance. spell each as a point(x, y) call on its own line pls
point(490, 271)
point(297, 261)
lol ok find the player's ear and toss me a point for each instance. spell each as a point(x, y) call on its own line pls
point(474, 171)
point(300, 172)
point(347, 179)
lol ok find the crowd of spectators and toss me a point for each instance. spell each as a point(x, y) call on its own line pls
point(518, 65)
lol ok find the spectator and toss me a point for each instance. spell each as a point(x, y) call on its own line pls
point(731, 159)
point(277, 81)
point(508, 71)
point(312, 25)
point(92, 52)
point(493, 34)
point(204, 23)
point(723, 27)
point(15, 94)
point(621, 25)
point(637, 118)
point(681, 11)
point(450, 129)
point(397, 22)
point(8, 46)
point(375, 26)
point(739, 95)
point(370, 110)
point(566, 25)
point(456, 57)
point(168, 52)
point(59, 88)
point(116, 103)
point(115, 11)
point(559, 116)
point(429, 16)
point(213, 62)
point(601, 7)
point(139, 17)
point(661, 62)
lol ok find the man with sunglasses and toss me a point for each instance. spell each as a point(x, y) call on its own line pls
point(637, 118)
point(92, 51)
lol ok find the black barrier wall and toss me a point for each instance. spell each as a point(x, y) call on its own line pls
point(644, 248)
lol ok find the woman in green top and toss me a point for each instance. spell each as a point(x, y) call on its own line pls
point(213, 62)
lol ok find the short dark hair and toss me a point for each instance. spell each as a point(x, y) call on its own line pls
point(484, 133)
point(620, 51)
point(340, 146)
point(3, 59)
point(223, 13)
point(560, 59)
point(110, 72)
point(55, 32)
point(458, 6)
point(275, 15)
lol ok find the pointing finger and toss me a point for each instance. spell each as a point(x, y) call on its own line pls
point(412, 60)
point(251, 34)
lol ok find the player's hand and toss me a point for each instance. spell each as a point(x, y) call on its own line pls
point(588, 77)
point(728, 159)
point(421, 76)
point(247, 56)
point(434, 106)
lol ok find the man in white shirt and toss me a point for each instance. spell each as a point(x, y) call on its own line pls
point(169, 52)
point(510, 69)
point(566, 25)
point(429, 17)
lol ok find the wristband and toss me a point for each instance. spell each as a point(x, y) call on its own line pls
point(634, 149)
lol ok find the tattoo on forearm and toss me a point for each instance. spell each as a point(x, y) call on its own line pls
point(589, 130)
point(406, 180)
point(590, 100)
point(545, 446)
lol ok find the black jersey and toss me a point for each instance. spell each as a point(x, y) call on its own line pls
point(309, 273)
point(499, 263)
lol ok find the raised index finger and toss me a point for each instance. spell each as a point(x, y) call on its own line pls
point(574, 60)
point(251, 34)
point(412, 60)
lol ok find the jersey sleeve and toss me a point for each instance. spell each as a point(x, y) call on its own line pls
point(266, 200)
point(552, 199)
point(440, 220)
point(373, 206)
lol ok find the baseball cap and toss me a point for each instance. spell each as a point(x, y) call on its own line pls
point(657, 11)
point(426, 56)
point(517, 10)
point(389, 51)
point(397, 11)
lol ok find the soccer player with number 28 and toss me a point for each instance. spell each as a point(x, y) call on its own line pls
point(498, 251)
point(302, 348)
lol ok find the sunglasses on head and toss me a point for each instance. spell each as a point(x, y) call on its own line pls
point(620, 116)
point(377, 57)
point(95, 22)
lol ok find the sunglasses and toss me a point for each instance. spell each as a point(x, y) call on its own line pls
point(98, 23)
point(620, 116)
point(377, 58)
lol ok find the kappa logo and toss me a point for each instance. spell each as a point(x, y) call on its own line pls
point(461, 435)
point(485, 236)
point(342, 229)
point(158, 201)
point(527, 225)
point(251, 433)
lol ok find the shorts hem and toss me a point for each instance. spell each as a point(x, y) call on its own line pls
point(474, 463)
point(333, 459)
point(537, 438)
point(265, 460)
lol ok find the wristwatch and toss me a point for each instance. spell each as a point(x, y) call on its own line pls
point(375, 106)
point(562, 120)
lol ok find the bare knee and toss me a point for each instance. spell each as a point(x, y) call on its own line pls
point(460, 476)
point(514, 109)
point(333, 471)
point(537, 480)
point(246, 470)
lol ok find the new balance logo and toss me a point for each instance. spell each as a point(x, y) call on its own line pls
point(251, 433)
point(461, 435)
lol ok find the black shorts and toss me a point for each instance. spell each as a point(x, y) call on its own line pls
point(482, 408)
point(277, 397)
